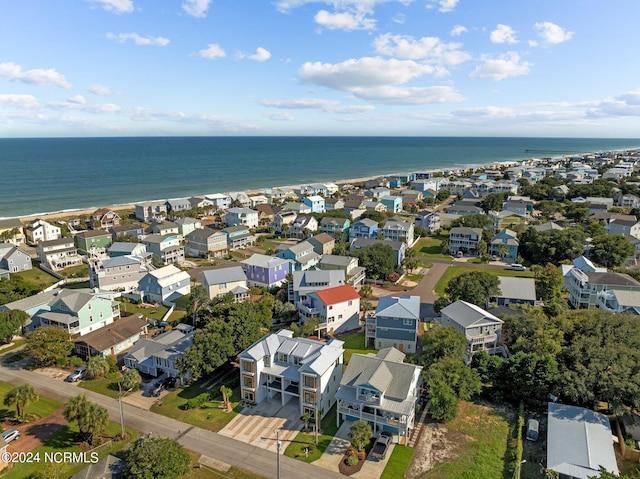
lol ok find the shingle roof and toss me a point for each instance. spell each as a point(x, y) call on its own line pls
point(618, 279)
point(115, 333)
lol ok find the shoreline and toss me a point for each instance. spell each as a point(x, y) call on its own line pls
point(70, 212)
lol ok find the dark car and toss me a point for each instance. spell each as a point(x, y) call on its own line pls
point(77, 375)
point(379, 450)
point(170, 382)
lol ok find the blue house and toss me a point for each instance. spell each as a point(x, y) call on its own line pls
point(333, 226)
point(365, 228)
point(266, 271)
point(393, 203)
point(394, 324)
point(315, 202)
point(507, 238)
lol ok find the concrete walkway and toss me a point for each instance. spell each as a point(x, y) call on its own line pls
point(332, 456)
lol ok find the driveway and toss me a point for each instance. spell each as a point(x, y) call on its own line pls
point(426, 289)
point(332, 456)
point(257, 425)
point(33, 434)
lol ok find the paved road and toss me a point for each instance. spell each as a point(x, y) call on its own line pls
point(230, 451)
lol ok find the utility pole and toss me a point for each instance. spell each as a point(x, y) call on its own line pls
point(121, 410)
point(278, 454)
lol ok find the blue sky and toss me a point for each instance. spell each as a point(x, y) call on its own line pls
point(305, 67)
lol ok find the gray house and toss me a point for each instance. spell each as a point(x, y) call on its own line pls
point(222, 281)
point(394, 323)
point(13, 259)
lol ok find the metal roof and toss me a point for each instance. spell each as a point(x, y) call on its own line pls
point(401, 307)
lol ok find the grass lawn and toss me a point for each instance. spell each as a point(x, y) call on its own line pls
point(354, 343)
point(398, 462)
point(40, 408)
point(429, 247)
point(37, 277)
point(153, 312)
point(202, 472)
point(209, 415)
point(14, 345)
point(487, 436)
point(303, 440)
point(80, 271)
point(64, 440)
point(107, 386)
point(455, 271)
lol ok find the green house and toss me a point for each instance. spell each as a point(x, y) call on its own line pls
point(89, 240)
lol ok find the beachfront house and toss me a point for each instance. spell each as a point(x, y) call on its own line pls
point(166, 248)
point(240, 199)
point(177, 205)
point(220, 200)
point(394, 324)
point(165, 284)
point(265, 271)
point(14, 259)
point(58, 254)
point(11, 230)
point(301, 255)
point(382, 390)
point(157, 356)
point(242, 217)
point(151, 211)
point(206, 243)
point(222, 281)
point(287, 370)
point(92, 242)
point(39, 230)
point(104, 218)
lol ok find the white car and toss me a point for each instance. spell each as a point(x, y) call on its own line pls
point(11, 435)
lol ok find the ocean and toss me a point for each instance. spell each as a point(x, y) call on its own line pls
point(42, 175)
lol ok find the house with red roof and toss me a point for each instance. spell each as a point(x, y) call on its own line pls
point(337, 309)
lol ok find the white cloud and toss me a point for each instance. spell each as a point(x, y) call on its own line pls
point(344, 21)
point(504, 66)
point(444, 6)
point(97, 89)
point(261, 55)
point(79, 99)
point(280, 116)
point(139, 39)
point(286, 6)
point(19, 101)
point(212, 51)
point(409, 95)
point(458, 30)
point(552, 33)
point(364, 72)
point(430, 49)
point(115, 6)
point(627, 104)
point(399, 18)
point(327, 106)
point(11, 71)
point(503, 34)
point(196, 8)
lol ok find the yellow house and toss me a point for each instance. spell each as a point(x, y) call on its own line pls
point(12, 228)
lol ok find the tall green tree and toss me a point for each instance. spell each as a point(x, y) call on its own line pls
point(10, 324)
point(452, 371)
point(443, 403)
point(153, 457)
point(48, 345)
point(439, 342)
point(473, 287)
point(378, 259)
point(493, 202)
point(553, 246)
point(549, 283)
point(472, 221)
point(360, 434)
point(21, 397)
point(611, 251)
point(528, 376)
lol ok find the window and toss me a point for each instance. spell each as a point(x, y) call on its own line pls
point(267, 361)
point(248, 366)
point(283, 357)
point(248, 381)
point(330, 307)
point(407, 322)
point(350, 303)
point(247, 396)
point(309, 382)
point(309, 397)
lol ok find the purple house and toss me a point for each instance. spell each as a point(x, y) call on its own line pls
point(266, 271)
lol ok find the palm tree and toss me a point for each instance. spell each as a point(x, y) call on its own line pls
point(97, 367)
point(366, 290)
point(131, 379)
point(20, 397)
point(226, 397)
point(306, 417)
point(360, 434)
point(92, 418)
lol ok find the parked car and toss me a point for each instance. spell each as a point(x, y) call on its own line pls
point(379, 450)
point(533, 427)
point(517, 267)
point(170, 382)
point(77, 375)
point(11, 435)
point(157, 387)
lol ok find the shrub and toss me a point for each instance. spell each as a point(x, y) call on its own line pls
point(198, 401)
point(352, 461)
point(112, 361)
point(61, 362)
point(76, 361)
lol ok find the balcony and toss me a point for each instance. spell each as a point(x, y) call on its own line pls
point(392, 421)
point(276, 384)
point(308, 311)
point(483, 338)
